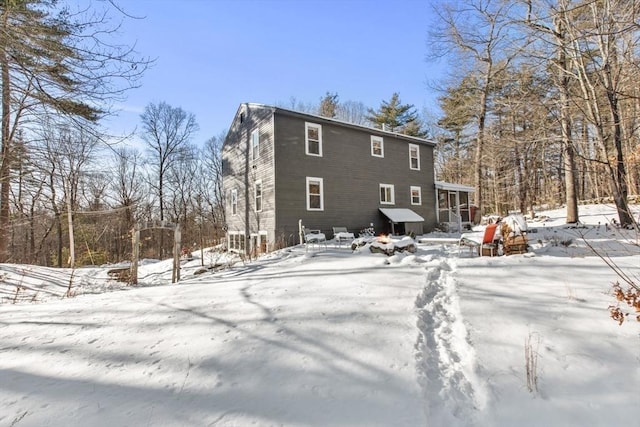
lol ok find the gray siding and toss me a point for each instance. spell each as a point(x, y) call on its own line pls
point(351, 177)
point(237, 158)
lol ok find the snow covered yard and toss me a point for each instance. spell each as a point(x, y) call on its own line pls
point(331, 338)
point(319, 340)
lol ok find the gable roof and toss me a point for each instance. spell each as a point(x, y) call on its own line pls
point(318, 118)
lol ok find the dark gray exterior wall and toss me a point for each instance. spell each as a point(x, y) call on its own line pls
point(351, 176)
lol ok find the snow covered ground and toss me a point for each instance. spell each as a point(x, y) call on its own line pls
point(327, 337)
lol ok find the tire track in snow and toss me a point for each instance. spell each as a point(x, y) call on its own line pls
point(445, 359)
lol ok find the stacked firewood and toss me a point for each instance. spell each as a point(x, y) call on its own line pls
point(514, 237)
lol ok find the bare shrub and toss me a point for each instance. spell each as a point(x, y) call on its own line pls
point(531, 344)
point(630, 297)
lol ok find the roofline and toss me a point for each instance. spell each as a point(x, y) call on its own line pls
point(456, 187)
point(316, 117)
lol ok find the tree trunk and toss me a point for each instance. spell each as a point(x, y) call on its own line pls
point(565, 124)
point(5, 152)
point(480, 152)
point(618, 173)
point(72, 246)
point(59, 235)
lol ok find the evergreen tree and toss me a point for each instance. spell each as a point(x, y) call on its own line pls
point(394, 116)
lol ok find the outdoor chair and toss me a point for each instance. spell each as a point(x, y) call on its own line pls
point(340, 234)
point(477, 242)
point(314, 237)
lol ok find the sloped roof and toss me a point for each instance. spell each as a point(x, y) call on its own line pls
point(316, 117)
point(401, 215)
point(454, 187)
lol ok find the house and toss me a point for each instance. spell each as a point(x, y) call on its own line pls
point(283, 168)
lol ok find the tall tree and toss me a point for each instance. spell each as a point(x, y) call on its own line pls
point(477, 31)
point(167, 131)
point(127, 190)
point(598, 53)
point(70, 149)
point(52, 58)
point(458, 105)
point(352, 112)
point(395, 116)
point(329, 105)
point(552, 29)
point(213, 195)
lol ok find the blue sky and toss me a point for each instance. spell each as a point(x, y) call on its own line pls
point(213, 55)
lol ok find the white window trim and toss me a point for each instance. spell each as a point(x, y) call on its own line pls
point(255, 195)
point(381, 141)
point(393, 194)
point(419, 195)
point(308, 181)
point(307, 125)
point(255, 144)
point(233, 237)
point(417, 147)
point(234, 202)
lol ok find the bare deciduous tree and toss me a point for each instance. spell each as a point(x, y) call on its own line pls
point(479, 32)
point(53, 58)
point(167, 131)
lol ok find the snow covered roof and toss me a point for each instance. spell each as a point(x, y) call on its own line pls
point(454, 187)
point(401, 215)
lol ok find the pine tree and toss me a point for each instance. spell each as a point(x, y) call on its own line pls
point(394, 116)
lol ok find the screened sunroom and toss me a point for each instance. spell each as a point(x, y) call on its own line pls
point(454, 210)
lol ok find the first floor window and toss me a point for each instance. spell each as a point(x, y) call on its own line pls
point(314, 194)
point(234, 202)
point(386, 194)
point(258, 194)
point(416, 195)
point(236, 241)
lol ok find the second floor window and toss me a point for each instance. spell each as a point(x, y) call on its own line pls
point(258, 194)
point(377, 146)
point(387, 196)
point(255, 144)
point(313, 139)
point(315, 197)
point(234, 202)
point(414, 157)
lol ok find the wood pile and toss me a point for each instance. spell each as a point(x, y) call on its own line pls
point(514, 235)
point(514, 245)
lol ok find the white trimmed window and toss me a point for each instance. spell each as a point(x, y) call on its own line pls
point(387, 196)
point(416, 195)
point(315, 198)
point(234, 202)
point(255, 144)
point(414, 157)
point(377, 146)
point(313, 139)
point(258, 195)
point(236, 241)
